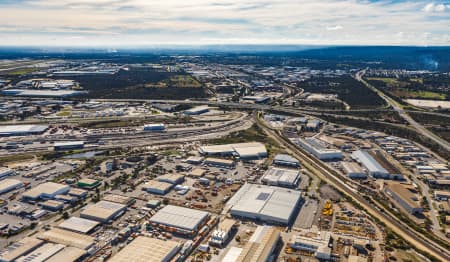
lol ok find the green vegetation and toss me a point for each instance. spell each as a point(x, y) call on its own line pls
point(15, 158)
point(179, 81)
point(63, 113)
point(21, 71)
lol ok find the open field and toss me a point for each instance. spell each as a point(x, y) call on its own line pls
point(428, 103)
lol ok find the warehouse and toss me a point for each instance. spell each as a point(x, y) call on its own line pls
point(404, 196)
point(154, 127)
point(46, 190)
point(68, 254)
point(281, 177)
point(253, 150)
point(198, 172)
point(373, 167)
point(77, 192)
point(68, 145)
point(88, 183)
point(265, 203)
point(156, 187)
point(22, 130)
point(8, 184)
point(79, 225)
point(4, 172)
point(316, 242)
point(353, 170)
point(173, 179)
point(441, 195)
point(260, 246)
point(125, 200)
point(285, 160)
point(180, 220)
point(194, 160)
point(20, 248)
point(219, 162)
point(68, 238)
point(256, 99)
point(52, 205)
point(198, 110)
point(42, 253)
point(146, 249)
point(103, 211)
point(221, 235)
point(318, 149)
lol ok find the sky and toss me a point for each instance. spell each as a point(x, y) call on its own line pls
point(146, 23)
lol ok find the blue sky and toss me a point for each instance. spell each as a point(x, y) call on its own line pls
point(119, 23)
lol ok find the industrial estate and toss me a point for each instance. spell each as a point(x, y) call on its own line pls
point(200, 158)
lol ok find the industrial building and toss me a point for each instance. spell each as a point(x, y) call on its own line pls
point(313, 242)
point(59, 146)
point(198, 110)
point(194, 160)
point(146, 249)
point(256, 99)
point(124, 200)
point(265, 203)
point(41, 93)
point(22, 130)
point(181, 220)
point(8, 184)
point(370, 164)
point(78, 193)
point(219, 162)
point(103, 211)
point(353, 170)
point(42, 253)
point(154, 127)
point(318, 148)
point(285, 160)
point(79, 225)
point(88, 183)
point(404, 196)
point(157, 187)
point(260, 246)
point(253, 150)
point(441, 195)
point(68, 238)
point(281, 177)
point(20, 248)
point(222, 234)
point(47, 190)
point(4, 172)
point(173, 179)
point(67, 254)
point(52, 205)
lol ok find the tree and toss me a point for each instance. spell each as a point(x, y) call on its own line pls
point(65, 215)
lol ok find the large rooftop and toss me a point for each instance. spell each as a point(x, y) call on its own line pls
point(179, 217)
point(281, 176)
point(46, 189)
point(146, 249)
point(102, 210)
point(21, 129)
point(67, 238)
point(78, 224)
point(368, 162)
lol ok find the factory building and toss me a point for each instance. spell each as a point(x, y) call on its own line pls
point(88, 183)
point(260, 246)
point(46, 190)
point(79, 225)
point(68, 254)
point(78, 193)
point(316, 243)
point(253, 150)
point(285, 160)
point(4, 172)
point(180, 220)
point(404, 196)
point(194, 160)
point(68, 238)
point(372, 166)
point(281, 177)
point(120, 199)
point(60, 146)
point(318, 148)
point(145, 249)
point(154, 127)
point(265, 203)
point(219, 162)
point(20, 248)
point(22, 130)
point(8, 184)
point(353, 170)
point(42, 253)
point(157, 187)
point(173, 179)
point(52, 205)
point(222, 234)
point(103, 211)
point(198, 110)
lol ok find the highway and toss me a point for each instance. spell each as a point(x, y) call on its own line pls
point(397, 107)
point(326, 174)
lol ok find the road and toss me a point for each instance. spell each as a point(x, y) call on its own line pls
point(397, 107)
point(323, 172)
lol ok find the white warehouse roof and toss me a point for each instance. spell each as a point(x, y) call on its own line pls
point(179, 217)
point(243, 150)
point(11, 130)
point(146, 249)
point(267, 203)
point(78, 224)
point(369, 162)
point(281, 176)
point(46, 190)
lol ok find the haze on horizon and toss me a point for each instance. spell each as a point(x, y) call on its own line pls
point(124, 23)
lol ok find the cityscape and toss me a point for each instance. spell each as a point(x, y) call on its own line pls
point(233, 152)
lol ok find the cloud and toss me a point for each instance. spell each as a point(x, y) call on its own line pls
point(334, 28)
point(146, 22)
